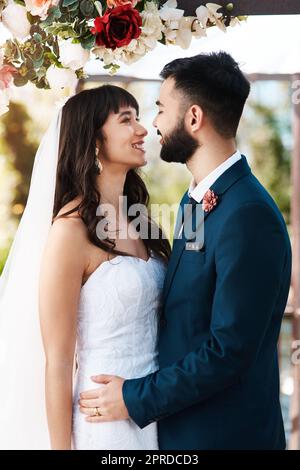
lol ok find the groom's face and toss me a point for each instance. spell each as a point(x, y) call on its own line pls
point(178, 145)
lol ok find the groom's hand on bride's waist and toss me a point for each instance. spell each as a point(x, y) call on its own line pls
point(105, 403)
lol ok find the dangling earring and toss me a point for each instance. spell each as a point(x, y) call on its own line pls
point(98, 164)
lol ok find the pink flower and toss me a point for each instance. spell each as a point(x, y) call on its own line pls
point(6, 76)
point(210, 200)
point(120, 3)
point(40, 7)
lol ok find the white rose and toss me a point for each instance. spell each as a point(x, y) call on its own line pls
point(4, 102)
point(14, 18)
point(73, 56)
point(61, 78)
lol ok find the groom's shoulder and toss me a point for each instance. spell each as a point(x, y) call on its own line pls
point(250, 191)
point(249, 198)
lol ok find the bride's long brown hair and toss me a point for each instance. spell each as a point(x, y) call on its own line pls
point(83, 117)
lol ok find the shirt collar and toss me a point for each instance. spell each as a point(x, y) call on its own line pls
point(197, 192)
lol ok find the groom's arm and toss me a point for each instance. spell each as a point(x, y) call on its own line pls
point(251, 255)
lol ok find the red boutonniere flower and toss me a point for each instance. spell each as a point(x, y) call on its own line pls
point(117, 27)
point(210, 200)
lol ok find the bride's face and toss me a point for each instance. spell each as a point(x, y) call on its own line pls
point(124, 140)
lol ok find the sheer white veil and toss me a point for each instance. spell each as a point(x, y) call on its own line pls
point(23, 423)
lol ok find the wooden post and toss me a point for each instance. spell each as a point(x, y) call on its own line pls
point(295, 217)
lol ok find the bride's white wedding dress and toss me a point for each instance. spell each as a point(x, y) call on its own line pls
point(117, 335)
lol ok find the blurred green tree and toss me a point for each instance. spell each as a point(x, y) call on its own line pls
point(271, 159)
point(20, 149)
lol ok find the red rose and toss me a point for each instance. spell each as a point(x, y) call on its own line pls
point(117, 27)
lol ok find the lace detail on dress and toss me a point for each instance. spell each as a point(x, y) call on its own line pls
point(117, 334)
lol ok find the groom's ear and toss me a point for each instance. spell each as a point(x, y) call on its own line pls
point(194, 118)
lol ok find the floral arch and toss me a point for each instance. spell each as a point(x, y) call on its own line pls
point(52, 40)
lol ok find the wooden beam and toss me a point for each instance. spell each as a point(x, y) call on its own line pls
point(246, 7)
point(294, 443)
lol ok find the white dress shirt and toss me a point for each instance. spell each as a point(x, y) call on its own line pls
point(197, 191)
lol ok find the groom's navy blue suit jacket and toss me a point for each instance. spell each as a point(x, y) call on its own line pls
point(218, 382)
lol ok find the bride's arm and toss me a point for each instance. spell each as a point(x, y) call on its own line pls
point(60, 283)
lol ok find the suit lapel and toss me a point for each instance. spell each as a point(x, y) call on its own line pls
point(178, 248)
point(221, 185)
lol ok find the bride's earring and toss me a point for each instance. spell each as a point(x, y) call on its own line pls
point(98, 164)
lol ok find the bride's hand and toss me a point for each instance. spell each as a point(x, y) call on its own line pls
point(105, 403)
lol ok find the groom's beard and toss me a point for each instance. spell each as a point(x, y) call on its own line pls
point(179, 146)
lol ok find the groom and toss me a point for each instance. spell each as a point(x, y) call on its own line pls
point(217, 386)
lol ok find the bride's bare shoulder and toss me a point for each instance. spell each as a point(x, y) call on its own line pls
point(70, 206)
point(69, 227)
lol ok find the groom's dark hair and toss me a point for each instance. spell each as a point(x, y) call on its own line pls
point(214, 82)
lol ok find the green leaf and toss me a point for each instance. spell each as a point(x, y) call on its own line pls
point(32, 19)
point(29, 63)
point(38, 63)
point(67, 3)
point(42, 83)
point(55, 11)
point(56, 48)
point(74, 10)
point(20, 2)
point(41, 73)
point(38, 54)
point(35, 29)
point(37, 37)
point(87, 8)
point(23, 70)
point(12, 50)
point(31, 75)
point(88, 42)
point(20, 81)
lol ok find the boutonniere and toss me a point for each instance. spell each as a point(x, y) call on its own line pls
point(210, 200)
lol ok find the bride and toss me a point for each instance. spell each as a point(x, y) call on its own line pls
point(80, 268)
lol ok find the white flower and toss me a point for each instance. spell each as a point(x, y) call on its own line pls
point(210, 12)
point(14, 18)
point(40, 7)
point(4, 102)
point(1, 56)
point(170, 12)
point(213, 10)
point(184, 33)
point(73, 56)
point(173, 19)
point(152, 24)
point(108, 56)
point(61, 78)
point(202, 15)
